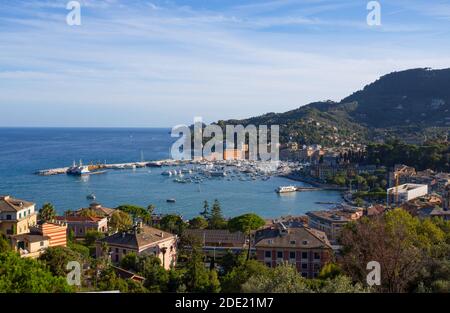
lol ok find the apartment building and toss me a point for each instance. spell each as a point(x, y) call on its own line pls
point(142, 240)
point(332, 221)
point(16, 216)
point(81, 225)
point(305, 248)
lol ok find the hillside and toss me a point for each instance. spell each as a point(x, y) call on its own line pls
point(411, 105)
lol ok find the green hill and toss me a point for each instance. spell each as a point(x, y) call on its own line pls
point(411, 105)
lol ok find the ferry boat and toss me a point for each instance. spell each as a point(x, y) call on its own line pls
point(171, 200)
point(78, 169)
point(286, 189)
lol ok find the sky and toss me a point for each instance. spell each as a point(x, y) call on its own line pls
point(161, 63)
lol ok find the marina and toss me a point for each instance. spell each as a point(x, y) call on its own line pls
point(245, 187)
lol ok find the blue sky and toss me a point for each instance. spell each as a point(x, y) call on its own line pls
point(160, 63)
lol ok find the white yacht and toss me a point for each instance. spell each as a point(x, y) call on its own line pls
point(286, 189)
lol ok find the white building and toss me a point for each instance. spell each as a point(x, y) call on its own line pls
point(406, 192)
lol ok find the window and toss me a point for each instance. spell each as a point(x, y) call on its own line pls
point(270, 241)
point(304, 255)
point(292, 255)
point(279, 254)
point(117, 258)
point(8, 217)
point(124, 251)
point(304, 274)
point(292, 242)
point(304, 266)
point(20, 215)
point(304, 242)
point(42, 243)
point(117, 250)
point(316, 256)
point(268, 264)
point(268, 254)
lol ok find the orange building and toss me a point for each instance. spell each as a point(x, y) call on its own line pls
point(56, 231)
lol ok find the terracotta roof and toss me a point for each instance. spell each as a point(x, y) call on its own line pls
point(137, 240)
point(298, 237)
point(98, 208)
point(78, 219)
point(8, 204)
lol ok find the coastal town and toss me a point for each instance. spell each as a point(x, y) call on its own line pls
point(116, 245)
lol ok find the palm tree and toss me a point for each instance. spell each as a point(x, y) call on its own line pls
point(47, 212)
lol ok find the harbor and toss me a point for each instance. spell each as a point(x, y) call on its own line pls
point(240, 186)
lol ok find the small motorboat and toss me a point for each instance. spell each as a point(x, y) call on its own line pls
point(171, 200)
point(91, 197)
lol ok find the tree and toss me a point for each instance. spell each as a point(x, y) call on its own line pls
point(150, 210)
point(92, 236)
point(330, 271)
point(4, 244)
point(240, 274)
point(120, 221)
point(216, 219)
point(205, 212)
point(109, 281)
point(57, 258)
point(130, 262)
point(88, 213)
point(246, 224)
point(25, 275)
point(136, 212)
point(285, 279)
point(399, 242)
point(173, 224)
point(198, 223)
point(47, 212)
point(156, 277)
point(197, 278)
point(282, 279)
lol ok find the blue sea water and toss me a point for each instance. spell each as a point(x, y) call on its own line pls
point(23, 151)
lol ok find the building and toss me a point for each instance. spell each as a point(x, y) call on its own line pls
point(332, 221)
point(41, 236)
point(80, 225)
point(55, 231)
point(29, 245)
point(16, 216)
point(142, 240)
point(98, 209)
point(406, 192)
point(217, 242)
point(305, 248)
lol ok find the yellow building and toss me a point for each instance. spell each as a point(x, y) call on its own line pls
point(16, 216)
point(30, 245)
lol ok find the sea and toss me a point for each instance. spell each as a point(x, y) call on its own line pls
point(23, 151)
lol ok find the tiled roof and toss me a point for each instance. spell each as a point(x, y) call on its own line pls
point(8, 204)
point(217, 236)
point(298, 237)
point(137, 240)
point(78, 219)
